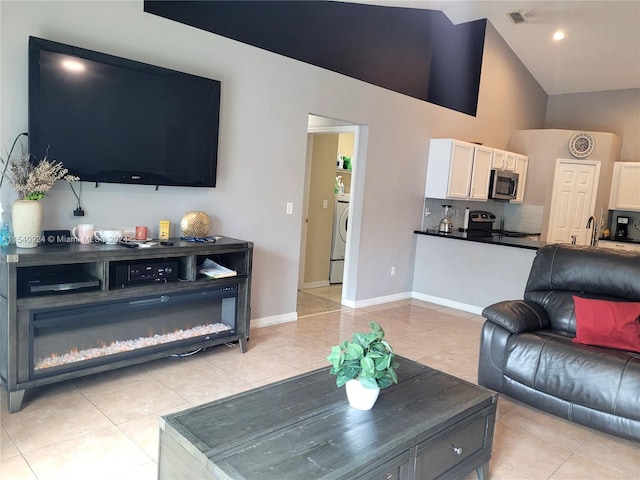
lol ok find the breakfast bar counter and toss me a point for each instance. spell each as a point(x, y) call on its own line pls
point(470, 273)
point(495, 239)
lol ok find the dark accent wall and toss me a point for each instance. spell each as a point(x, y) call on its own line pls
point(415, 52)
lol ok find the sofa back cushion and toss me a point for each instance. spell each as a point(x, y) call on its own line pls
point(561, 271)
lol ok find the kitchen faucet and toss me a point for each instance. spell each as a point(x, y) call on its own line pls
point(590, 221)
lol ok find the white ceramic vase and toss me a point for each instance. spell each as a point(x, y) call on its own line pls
point(27, 222)
point(361, 398)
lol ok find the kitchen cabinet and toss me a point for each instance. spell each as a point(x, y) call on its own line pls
point(503, 160)
point(626, 246)
point(498, 159)
point(458, 169)
point(521, 166)
point(625, 186)
point(481, 173)
point(449, 168)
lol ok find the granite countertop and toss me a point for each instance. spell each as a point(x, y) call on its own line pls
point(495, 239)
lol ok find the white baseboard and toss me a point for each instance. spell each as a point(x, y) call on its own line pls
point(378, 300)
point(273, 320)
point(320, 284)
point(445, 302)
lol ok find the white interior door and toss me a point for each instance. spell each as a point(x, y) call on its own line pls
point(573, 201)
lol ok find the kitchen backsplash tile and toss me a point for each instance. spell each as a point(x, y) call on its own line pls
point(435, 209)
point(523, 218)
point(518, 217)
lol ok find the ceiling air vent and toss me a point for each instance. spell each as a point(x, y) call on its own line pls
point(516, 17)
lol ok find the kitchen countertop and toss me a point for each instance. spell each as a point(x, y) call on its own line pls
point(620, 240)
point(495, 239)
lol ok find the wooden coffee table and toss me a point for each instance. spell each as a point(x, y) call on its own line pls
point(429, 425)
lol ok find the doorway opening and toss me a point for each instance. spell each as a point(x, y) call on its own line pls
point(331, 161)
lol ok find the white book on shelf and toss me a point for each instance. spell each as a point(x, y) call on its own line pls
point(215, 270)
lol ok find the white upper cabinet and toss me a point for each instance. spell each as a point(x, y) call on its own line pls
point(503, 160)
point(498, 159)
point(481, 173)
point(449, 168)
point(458, 169)
point(625, 186)
point(521, 166)
point(510, 161)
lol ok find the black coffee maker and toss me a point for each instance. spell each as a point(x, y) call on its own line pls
point(622, 226)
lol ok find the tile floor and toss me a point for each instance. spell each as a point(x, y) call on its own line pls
point(106, 426)
point(319, 300)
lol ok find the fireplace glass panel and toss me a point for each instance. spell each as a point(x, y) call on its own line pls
point(79, 336)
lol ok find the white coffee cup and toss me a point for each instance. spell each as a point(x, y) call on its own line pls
point(108, 235)
point(83, 233)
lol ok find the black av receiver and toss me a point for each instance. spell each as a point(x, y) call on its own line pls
point(134, 273)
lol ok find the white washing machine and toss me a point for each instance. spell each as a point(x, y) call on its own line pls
point(339, 238)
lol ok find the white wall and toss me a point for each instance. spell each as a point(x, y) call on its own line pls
point(611, 111)
point(545, 147)
point(266, 99)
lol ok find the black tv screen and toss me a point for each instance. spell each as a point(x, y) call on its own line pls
point(109, 119)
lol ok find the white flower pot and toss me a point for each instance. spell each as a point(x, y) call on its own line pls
point(361, 398)
point(27, 222)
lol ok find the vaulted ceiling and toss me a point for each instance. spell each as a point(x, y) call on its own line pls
point(600, 51)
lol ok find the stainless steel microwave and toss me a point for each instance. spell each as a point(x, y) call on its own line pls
point(503, 185)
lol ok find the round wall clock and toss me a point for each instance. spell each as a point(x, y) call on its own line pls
point(581, 145)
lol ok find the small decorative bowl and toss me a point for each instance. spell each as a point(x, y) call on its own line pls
point(195, 224)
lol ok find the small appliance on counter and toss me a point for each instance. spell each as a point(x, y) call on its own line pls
point(480, 223)
point(446, 225)
point(622, 227)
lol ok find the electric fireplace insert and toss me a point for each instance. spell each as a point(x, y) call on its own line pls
point(73, 337)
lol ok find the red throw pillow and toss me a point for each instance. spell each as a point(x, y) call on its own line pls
point(608, 324)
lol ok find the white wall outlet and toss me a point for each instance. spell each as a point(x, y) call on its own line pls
point(289, 208)
point(393, 271)
point(325, 203)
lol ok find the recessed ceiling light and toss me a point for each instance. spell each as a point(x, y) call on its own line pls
point(73, 65)
point(559, 35)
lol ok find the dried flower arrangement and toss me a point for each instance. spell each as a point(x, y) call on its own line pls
point(32, 182)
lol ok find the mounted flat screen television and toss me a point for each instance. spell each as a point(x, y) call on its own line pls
point(109, 119)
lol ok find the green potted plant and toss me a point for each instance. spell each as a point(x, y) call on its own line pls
point(365, 364)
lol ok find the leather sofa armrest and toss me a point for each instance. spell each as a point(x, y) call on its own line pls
point(517, 316)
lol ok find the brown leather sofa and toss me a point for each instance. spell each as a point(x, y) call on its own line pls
point(527, 352)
